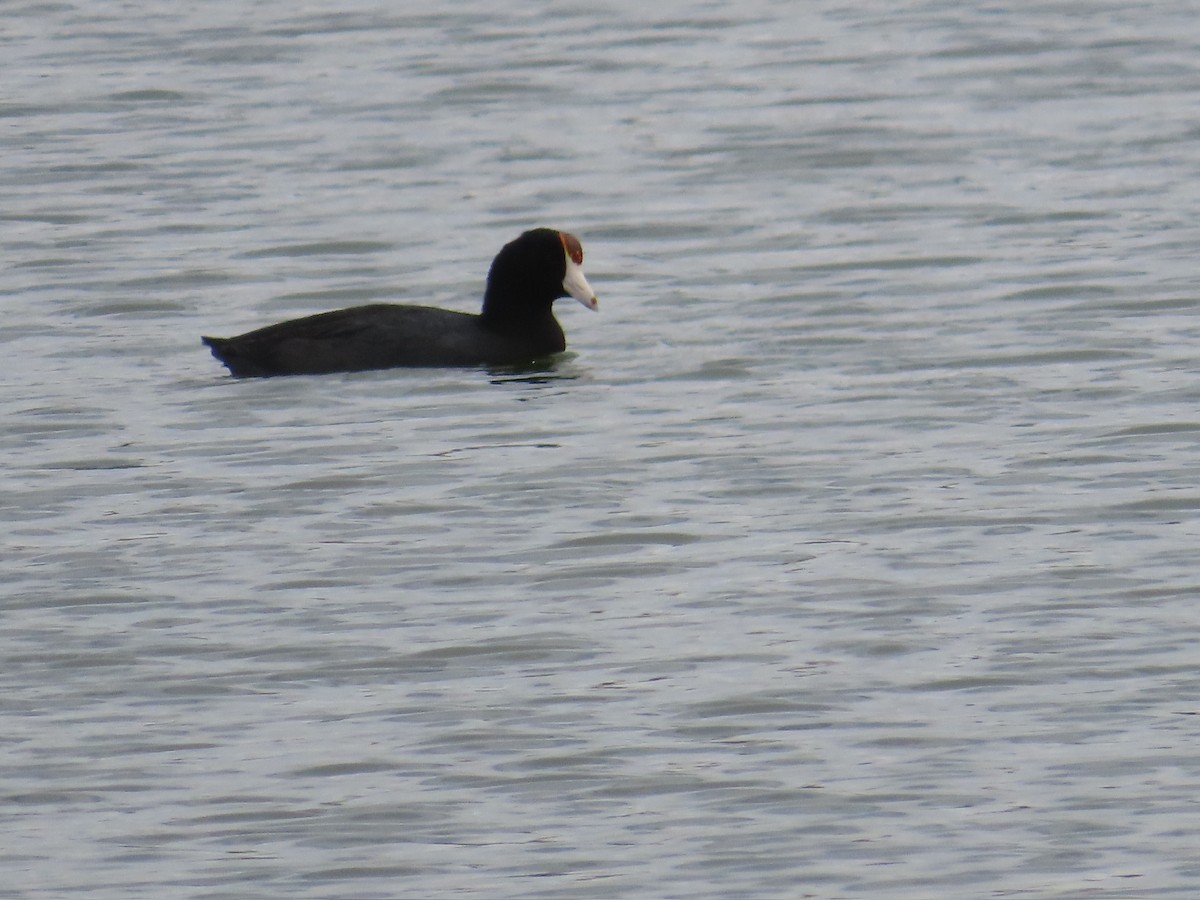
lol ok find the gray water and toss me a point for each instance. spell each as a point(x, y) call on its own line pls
point(849, 552)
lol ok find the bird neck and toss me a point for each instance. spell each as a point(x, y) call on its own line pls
point(506, 312)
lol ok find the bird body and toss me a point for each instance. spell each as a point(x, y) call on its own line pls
point(516, 324)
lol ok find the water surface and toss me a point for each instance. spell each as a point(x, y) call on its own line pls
point(849, 551)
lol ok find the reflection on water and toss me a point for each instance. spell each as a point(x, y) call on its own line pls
point(553, 370)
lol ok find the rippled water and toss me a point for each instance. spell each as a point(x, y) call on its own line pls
point(850, 551)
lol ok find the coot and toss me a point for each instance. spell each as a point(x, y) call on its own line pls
point(517, 323)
